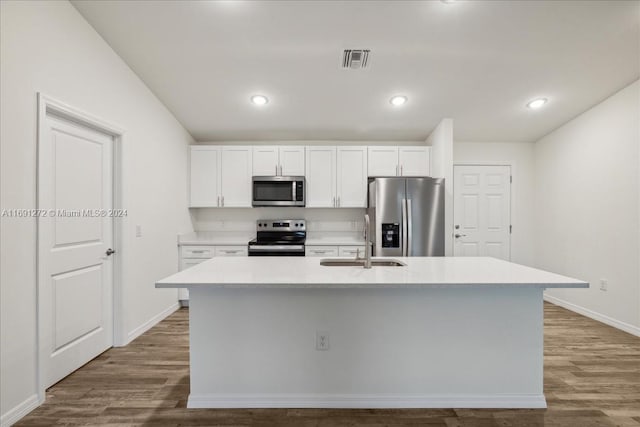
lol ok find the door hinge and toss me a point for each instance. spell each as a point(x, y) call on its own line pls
point(510, 229)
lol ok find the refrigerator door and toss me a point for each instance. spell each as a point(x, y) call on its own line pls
point(386, 196)
point(425, 216)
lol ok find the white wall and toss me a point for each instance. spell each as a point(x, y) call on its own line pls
point(47, 46)
point(520, 156)
point(587, 208)
point(441, 142)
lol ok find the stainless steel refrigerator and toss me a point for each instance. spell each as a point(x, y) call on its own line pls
point(408, 216)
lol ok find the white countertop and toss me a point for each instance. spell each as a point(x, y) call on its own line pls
point(304, 272)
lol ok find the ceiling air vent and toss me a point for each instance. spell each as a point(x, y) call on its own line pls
point(355, 58)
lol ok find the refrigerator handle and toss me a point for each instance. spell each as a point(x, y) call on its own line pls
point(409, 228)
point(404, 227)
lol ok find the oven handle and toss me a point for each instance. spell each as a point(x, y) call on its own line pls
point(276, 248)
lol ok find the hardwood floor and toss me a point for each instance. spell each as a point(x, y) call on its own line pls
point(592, 379)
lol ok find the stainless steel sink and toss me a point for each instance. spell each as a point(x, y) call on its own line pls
point(346, 262)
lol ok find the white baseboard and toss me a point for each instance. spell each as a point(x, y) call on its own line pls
point(633, 330)
point(14, 415)
point(151, 322)
point(374, 401)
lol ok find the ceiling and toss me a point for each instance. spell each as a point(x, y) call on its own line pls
point(478, 62)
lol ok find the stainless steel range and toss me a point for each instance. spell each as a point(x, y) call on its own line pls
point(279, 237)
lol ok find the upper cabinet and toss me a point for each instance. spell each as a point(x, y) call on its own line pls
point(220, 176)
point(336, 177)
point(398, 161)
point(351, 179)
point(282, 160)
point(321, 177)
point(205, 176)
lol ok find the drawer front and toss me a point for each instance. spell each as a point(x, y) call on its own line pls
point(186, 263)
point(350, 251)
point(231, 251)
point(321, 251)
point(197, 251)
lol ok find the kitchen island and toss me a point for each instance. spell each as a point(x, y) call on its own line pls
point(439, 332)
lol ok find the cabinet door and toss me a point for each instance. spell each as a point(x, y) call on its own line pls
point(292, 160)
point(351, 251)
point(204, 176)
point(321, 251)
point(235, 177)
point(231, 250)
point(321, 177)
point(265, 160)
point(414, 161)
point(351, 179)
point(382, 161)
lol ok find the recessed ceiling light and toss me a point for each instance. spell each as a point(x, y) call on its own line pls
point(536, 103)
point(448, 1)
point(259, 99)
point(398, 100)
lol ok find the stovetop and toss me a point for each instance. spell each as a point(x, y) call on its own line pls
point(280, 232)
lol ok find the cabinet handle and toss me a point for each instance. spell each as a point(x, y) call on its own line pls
point(280, 170)
point(396, 170)
point(231, 251)
point(276, 170)
point(218, 201)
point(197, 252)
point(334, 201)
point(401, 172)
point(222, 198)
point(338, 204)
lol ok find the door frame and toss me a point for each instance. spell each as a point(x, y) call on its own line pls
point(48, 106)
point(512, 169)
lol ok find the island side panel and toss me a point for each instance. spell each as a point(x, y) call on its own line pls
point(478, 347)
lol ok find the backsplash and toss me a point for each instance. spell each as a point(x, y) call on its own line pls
point(244, 219)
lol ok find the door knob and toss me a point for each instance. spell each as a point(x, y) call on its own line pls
point(457, 236)
point(110, 252)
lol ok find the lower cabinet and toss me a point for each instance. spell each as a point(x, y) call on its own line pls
point(194, 255)
point(334, 251)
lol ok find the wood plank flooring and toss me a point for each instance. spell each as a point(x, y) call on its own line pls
point(592, 379)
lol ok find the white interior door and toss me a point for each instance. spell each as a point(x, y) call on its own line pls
point(482, 211)
point(75, 274)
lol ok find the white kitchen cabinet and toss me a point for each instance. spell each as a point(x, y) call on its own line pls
point(382, 161)
point(235, 177)
point(285, 160)
point(204, 176)
point(187, 252)
point(351, 180)
point(320, 165)
point(351, 251)
point(414, 161)
point(232, 251)
point(399, 161)
point(336, 177)
point(220, 176)
point(321, 251)
point(195, 254)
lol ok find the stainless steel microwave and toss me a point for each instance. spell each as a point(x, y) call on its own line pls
point(278, 191)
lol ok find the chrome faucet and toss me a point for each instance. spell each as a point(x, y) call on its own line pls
point(367, 243)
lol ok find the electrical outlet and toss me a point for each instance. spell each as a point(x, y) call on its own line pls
point(138, 231)
point(604, 284)
point(322, 340)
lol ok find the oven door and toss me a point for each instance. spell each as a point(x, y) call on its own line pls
point(278, 191)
